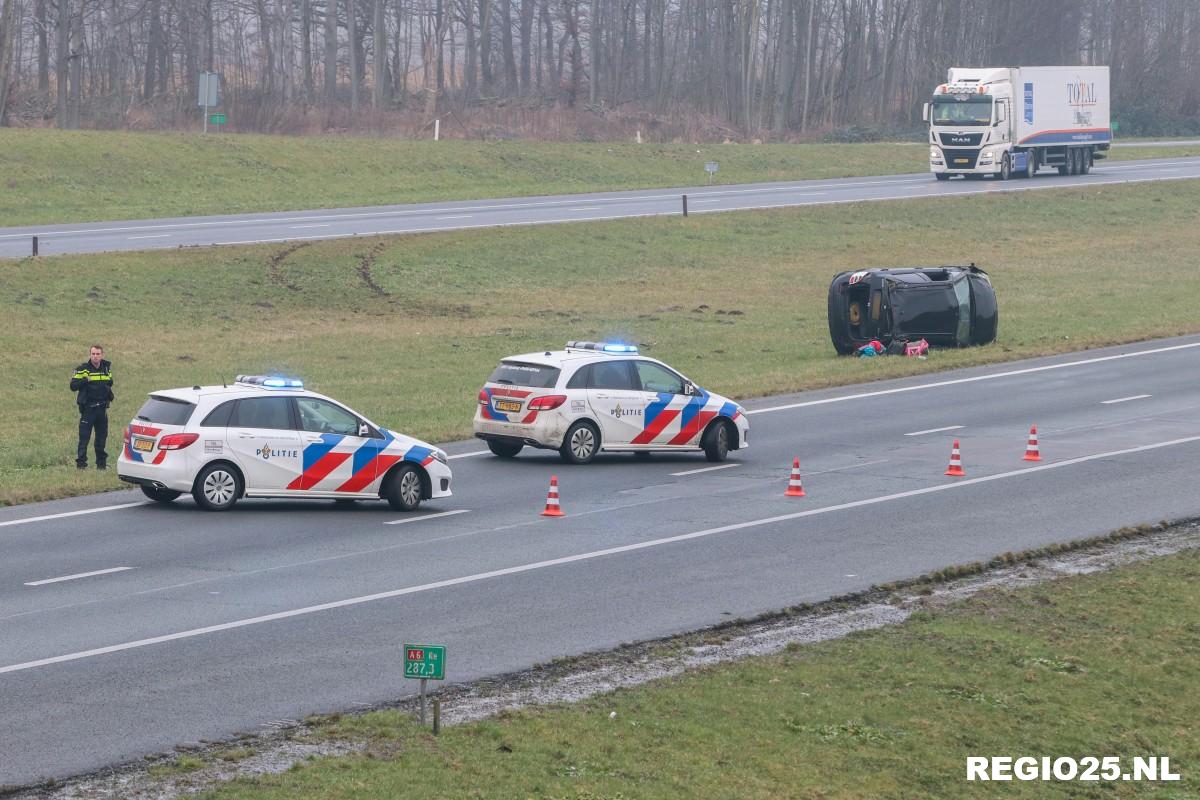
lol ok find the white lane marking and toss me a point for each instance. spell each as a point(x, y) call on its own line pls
point(991, 376)
point(456, 216)
point(298, 227)
point(585, 208)
point(594, 554)
point(6, 523)
point(427, 516)
point(934, 430)
point(1124, 399)
point(705, 469)
point(715, 200)
point(78, 575)
point(472, 453)
point(150, 236)
point(850, 466)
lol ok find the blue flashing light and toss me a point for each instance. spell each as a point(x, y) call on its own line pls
point(603, 347)
point(271, 382)
point(620, 348)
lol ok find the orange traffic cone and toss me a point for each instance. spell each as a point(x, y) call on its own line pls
point(1031, 449)
point(552, 507)
point(794, 488)
point(955, 467)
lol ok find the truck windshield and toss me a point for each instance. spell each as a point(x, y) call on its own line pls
point(968, 112)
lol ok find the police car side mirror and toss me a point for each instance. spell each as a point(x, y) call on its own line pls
point(689, 387)
point(364, 429)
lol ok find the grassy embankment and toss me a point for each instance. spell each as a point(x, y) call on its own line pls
point(406, 329)
point(1102, 665)
point(51, 176)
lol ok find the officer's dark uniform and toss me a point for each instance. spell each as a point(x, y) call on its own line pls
point(93, 386)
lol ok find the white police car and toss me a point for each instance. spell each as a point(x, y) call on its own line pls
point(597, 396)
point(265, 436)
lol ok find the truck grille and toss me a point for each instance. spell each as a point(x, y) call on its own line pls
point(953, 155)
point(960, 139)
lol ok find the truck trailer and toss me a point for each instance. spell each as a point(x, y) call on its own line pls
point(1005, 121)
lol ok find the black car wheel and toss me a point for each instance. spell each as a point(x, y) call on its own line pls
point(217, 487)
point(580, 444)
point(505, 449)
point(403, 490)
point(716, 441)
point(160, 495)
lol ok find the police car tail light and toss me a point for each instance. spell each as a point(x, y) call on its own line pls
point(547, 402)
point(177, 441)
point(483, 397)
point(127, 435)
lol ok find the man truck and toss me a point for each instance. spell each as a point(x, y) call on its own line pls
point(1005, 121)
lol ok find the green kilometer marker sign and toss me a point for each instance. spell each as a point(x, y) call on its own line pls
point(425, 661)
point(216, 119)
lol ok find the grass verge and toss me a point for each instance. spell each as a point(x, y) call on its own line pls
point(405, 329)
point(53, 176)
point(1102, 664)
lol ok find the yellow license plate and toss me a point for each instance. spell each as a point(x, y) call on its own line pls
point(508, 405)
point(962, 161)
point(144, 445)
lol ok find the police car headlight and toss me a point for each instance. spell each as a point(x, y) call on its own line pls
point(440, 455)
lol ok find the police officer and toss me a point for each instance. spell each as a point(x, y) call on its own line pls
point(92, 383)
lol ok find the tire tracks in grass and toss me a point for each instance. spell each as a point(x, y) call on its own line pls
point(275, 266)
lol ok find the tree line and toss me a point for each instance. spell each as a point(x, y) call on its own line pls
point(751, 68)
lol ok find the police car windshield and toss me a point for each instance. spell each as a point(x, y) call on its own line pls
point(536, 376)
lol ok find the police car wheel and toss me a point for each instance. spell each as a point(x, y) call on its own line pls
point(218, 487)
point(716, 441)
point(580, 444)
point(404, 489)
point(160, 495)
point(505, 449)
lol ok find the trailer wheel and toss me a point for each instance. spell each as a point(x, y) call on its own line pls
point(1085, 161)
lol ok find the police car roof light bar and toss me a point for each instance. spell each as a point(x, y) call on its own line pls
point(603, 347)
point(270, 382)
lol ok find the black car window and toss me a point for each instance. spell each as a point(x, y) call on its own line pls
point(515, 373)
point(612, 375)
point(321, 416)
point(166, 410)
point(580, 379)
point(219, 417)
point(274, 413)
point(656, 378)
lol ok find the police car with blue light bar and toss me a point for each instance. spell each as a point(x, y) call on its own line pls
point(268, 436)
point(594, 396)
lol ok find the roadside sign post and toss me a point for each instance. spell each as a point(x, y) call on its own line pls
point(426, 662)
point(711, 168)
point(209, 94)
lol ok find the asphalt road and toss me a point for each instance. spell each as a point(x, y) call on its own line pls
point(425, 217)
point(198, 625)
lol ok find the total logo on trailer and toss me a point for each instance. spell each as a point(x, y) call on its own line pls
point(603, 396)
point(268, 436)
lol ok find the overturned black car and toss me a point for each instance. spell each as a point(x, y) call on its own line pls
point(946, 306)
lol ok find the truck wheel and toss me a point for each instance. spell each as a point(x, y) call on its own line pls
point(1085, 161)
point(1030, 163)
point(942, 176)
point(1005, 168)
point(1068, 165)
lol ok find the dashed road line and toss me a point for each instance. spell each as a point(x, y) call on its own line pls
point(78, 575)
point(1124, 399)
point(427, 516)
point(704, 469)
point(934, 430)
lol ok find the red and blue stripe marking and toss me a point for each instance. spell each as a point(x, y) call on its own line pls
point(369, 461)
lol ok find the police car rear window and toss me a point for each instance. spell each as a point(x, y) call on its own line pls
point(515, 373)
point(166, 411)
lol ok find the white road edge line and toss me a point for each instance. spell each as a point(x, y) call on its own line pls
point(150, 236)
point(472, 453)
point(554, 562)
point(298, 227)
point(1124, 399)
point(704, 469)
point(427, 516)
point(934, 430)
point(78, 575)
point(6, 523)
point(456, 216)
point(991, 376)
